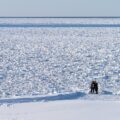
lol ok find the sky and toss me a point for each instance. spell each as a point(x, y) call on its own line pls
point(59, 8)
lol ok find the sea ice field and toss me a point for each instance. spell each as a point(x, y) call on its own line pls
point(55, 60)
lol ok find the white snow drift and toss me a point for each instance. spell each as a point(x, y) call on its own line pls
point(62, 110)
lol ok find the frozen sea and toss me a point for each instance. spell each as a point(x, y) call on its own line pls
point(44, 56)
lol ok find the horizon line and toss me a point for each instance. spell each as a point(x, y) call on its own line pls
point(59, 16)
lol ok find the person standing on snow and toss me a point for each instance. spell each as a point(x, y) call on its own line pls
point(94, 87)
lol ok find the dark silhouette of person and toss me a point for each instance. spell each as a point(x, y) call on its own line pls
point(94, 87)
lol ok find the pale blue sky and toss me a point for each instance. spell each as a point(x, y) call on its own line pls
point(59, 7)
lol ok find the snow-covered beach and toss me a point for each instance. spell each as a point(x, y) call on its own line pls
point(62, 109)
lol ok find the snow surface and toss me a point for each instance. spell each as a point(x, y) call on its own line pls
point(62, 110)
point(68, 106)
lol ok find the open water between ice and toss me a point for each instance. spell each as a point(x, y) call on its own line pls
point(59, 25)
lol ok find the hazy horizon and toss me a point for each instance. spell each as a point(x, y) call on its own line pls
point(59, 8)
